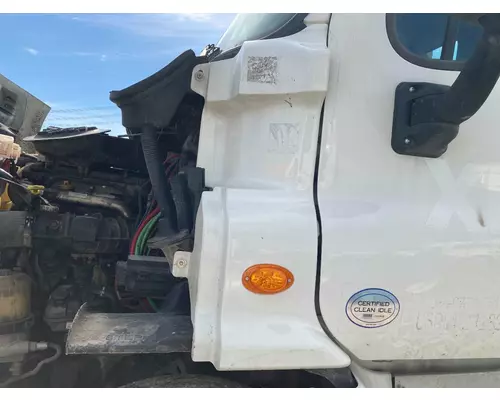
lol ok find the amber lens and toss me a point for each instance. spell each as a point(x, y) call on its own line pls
point(267, 279)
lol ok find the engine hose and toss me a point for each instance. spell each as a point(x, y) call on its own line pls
point(89, 201)
point(159, 182)
point(38, 367)
point(31, 167)
point(5, 175)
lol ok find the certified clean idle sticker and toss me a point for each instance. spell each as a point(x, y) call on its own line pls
point(372, 308)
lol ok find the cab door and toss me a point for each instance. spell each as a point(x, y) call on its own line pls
point(410, 260)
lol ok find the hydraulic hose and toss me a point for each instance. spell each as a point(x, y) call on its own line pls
point(89, 201)
point(38, 367)
point(159, 182)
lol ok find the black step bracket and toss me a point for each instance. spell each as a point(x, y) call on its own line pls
point(414, 132)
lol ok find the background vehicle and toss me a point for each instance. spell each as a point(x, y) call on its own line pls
point(299, 205)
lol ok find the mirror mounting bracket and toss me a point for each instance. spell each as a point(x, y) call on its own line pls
point(423, 139)
point(427, 116)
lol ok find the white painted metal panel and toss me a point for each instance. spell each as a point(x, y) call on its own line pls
point(426, 230)
point(258, 145)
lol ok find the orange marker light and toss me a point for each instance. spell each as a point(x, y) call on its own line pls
point(267, 279)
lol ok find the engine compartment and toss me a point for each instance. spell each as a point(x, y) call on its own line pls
point(89, 226)
point(82, 225)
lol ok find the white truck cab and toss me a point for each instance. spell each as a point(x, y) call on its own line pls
point(322, 163)
point(324, 197)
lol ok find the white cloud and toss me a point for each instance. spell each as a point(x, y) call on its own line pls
point(113, 56)
point(196, 17)
point(193, 31)
point(160, 26)
point(32, 51)
point(85, 54)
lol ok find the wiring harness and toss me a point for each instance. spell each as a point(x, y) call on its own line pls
point(146, 227)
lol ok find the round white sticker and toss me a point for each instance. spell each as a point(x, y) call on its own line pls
point(372, 308)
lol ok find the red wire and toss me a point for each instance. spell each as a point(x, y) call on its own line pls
point(141, 227)
point(171, 156)
point(169, 171)
point(145, 305)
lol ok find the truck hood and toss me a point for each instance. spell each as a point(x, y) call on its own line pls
point(20, 112)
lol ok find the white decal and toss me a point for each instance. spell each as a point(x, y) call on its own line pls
point(453, 198)
point(372, 308)
point(284, 138)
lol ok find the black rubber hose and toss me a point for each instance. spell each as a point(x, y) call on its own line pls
point(159, 182)
point(25, 171)
point(180, 195)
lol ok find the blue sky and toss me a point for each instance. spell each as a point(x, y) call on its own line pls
point(73, 61)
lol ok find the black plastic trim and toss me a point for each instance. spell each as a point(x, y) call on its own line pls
point(317, 304)
point(442, 65)
point(414, 130)
point(317, 283)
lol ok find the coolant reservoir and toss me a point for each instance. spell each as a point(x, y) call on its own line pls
point(15, 295)
point(9, 149)
point(15, 316)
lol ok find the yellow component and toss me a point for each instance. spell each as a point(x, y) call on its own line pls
point(267, 279)
point(5, 201)
point(15, 294)
point(36, 190)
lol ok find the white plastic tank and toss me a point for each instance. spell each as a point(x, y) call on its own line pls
point(9, 149)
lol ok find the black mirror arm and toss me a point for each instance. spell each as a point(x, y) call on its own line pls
point(427, 116)
point(474, 84)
